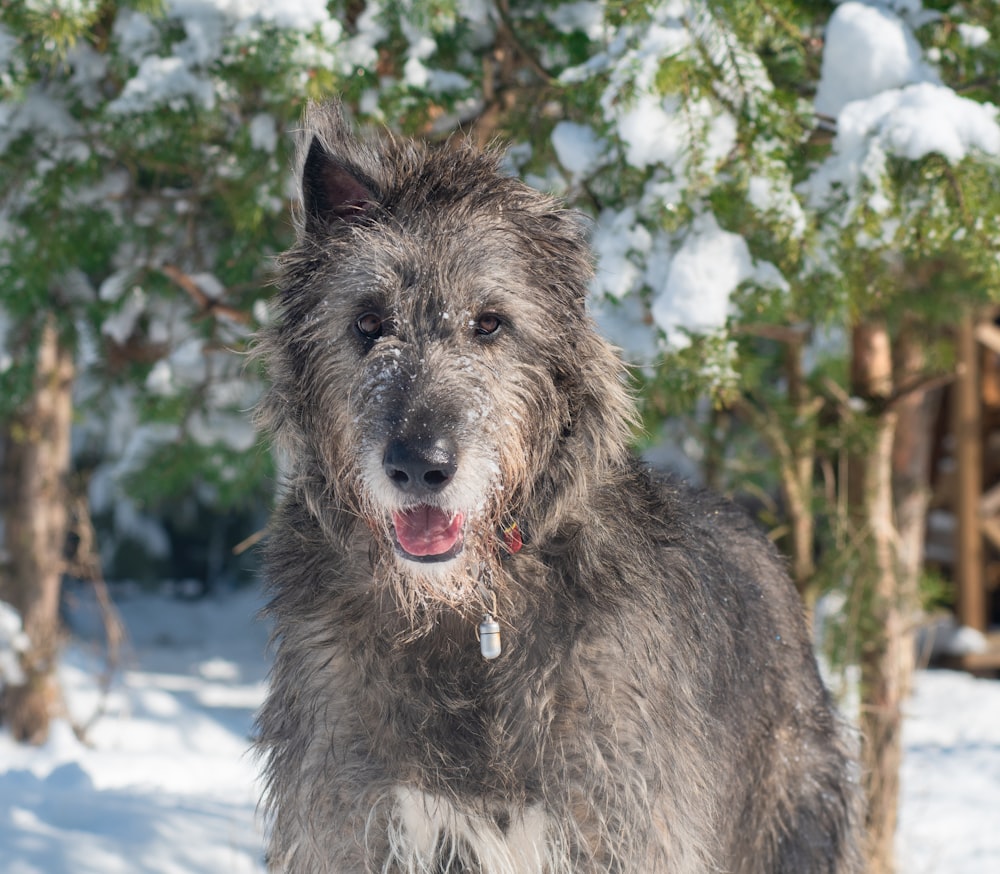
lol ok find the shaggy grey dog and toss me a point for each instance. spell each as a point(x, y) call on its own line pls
point(642, 696)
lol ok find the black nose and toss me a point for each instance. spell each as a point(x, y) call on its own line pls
point(418, 465)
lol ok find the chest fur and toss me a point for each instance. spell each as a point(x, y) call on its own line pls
point(429, 833)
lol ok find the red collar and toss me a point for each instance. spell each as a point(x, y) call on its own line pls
point(512, 537)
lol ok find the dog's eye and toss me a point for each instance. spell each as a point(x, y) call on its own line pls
point(370, 325)
point(487, 324)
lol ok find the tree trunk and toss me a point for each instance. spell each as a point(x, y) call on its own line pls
point(34, 463)
point(798, 475)
point(791, 437)
point(885, 657)
point(912, 456)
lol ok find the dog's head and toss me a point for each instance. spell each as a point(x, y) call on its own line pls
point(432, 361)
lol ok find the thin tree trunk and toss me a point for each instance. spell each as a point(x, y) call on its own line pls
point(912, 456)
point(882, 658)
point(798, 475)
point(34, 462)
point(794, 446)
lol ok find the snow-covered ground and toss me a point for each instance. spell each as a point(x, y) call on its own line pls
point(164, 783)
point(950, 816)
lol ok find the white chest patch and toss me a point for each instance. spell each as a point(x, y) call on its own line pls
point(427, 830)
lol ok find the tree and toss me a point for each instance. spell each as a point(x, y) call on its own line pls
point(765, 177)
point(143, 161)
point(35, 455)
point(792, 203)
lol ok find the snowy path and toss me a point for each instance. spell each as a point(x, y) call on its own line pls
point(166, 785)
point(950, 816)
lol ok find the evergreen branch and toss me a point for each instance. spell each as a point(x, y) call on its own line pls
point(789, 27)
point(919, 386)
point(739, 71)
point(207, 305)
point(503, 11)
point(778, 333)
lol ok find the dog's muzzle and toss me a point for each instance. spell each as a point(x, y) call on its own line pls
point(421, 469)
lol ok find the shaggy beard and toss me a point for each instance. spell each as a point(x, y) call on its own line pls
point(470, 585)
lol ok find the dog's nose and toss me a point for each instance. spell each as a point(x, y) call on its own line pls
point(415, 465)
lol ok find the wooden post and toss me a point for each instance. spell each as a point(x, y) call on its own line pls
point(967, 428)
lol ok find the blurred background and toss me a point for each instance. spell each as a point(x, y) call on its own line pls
point(794, 211)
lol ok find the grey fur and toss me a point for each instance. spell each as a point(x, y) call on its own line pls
point(657, 706)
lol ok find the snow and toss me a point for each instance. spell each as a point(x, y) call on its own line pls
point(203, 18)
point(210, 285)
point(617, 237)
point(621, 322)
point(119, 326)
point(774, 195)
point(654, 131)
point(584, 16)
point(165, 782)
point(659, 131)
point(973, 36)
point(422, 46)
point(264, 132)
point(578, 147)
point(71, 8)
point(665, 37)
point(8, 43)
point(700, 279)
point(135, 33)
point(707, 268)
point(6, 323)
point(910, 122)
point(179, 74)
point(57, 134)
point(13, 642)
point(915, 121)
point(164, 81)
point(951, 777)
point(361, 51)
point(887, 103)
point(867, 50)
point(926, 118)
point(112, 288)
point(966, 640)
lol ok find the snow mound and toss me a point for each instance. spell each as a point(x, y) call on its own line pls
point(868, 50)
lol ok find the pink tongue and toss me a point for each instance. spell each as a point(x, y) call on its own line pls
point(427, 530)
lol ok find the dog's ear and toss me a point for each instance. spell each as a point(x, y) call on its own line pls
point(331, 191)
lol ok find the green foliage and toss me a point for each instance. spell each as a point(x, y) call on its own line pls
point(678, 383)
point(219, 479)
point(146, 221)
point(143, 192)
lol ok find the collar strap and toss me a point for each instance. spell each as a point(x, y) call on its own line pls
point(513, 538)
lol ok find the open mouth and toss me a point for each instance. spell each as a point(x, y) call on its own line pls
point(428, 534)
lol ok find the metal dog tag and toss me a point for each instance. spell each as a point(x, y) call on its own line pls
point(489, 637)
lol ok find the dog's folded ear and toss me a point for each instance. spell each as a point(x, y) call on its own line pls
point(331, 191)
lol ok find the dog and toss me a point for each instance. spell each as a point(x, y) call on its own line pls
point(502, 645)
